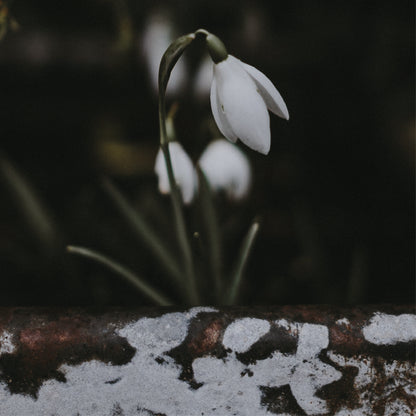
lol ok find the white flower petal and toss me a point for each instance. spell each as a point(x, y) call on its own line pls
point(226, 168)
point(268, 91)
point(183, 169)
point(160, 170)
point(218, 114)
point(241, 105)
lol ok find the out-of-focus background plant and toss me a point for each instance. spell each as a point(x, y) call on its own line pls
point(336, 192)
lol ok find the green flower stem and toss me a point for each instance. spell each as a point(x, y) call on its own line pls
point(242, 262)
point(167, 63)
point(213, 232)
point(181, 229)
point(127, 274)
point(142, 229)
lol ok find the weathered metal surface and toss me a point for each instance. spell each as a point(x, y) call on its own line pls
point(298, 360)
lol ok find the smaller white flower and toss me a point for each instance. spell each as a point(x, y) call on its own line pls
point(240, 97)
point(226, 168)
point(157, 36)
point(183, 169)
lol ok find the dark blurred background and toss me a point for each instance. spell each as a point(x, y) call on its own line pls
point(335, 194)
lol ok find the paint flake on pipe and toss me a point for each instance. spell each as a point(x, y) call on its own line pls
point(387, 329)
point(6, 344)
point(243, 333)
point(343, 321)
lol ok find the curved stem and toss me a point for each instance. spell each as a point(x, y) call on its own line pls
point(167, 63)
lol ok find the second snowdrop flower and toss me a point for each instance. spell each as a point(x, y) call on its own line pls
point(157, 36)
point(226, 168)
point(183, 169)
point(240, 98)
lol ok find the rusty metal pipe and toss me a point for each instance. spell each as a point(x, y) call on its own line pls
point(294, 360)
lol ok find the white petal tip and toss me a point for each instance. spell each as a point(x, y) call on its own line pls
point(263, 150)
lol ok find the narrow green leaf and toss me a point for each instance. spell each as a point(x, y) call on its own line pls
point(242, 262)
point(212, 230)
point(29, 204)
point(144, 232)
point(122, 271)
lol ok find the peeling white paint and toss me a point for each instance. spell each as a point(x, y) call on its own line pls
point(390, 329)
point(6, 344)
point(304, 372)
point(243, 333)
point(343, 321)
point(143, 383)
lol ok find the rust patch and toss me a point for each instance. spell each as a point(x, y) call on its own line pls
point(385, 390)
point(204, 337)
point(207, 339)
point(340, 393)
point(280, 400)
point(346, 339)
point(41, 347)
point(277, 339)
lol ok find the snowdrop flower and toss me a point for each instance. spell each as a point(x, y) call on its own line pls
point(240, 97)
point(157, 36)
point(226, 168)
point(183, 169)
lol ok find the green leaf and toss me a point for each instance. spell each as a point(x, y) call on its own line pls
point(143, 230)
point(246, 248)
point(30, 205)
point(122, 271)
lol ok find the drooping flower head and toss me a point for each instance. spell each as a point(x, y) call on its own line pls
point(240, 98)
point(226, 168)
point(185, 174)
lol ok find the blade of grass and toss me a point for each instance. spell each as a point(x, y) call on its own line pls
point(29, 204)
point(142, 229)
point(122, 271)
point(246, 248)
point(212, 230)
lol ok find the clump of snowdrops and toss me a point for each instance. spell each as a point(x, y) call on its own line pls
point(240, 98)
